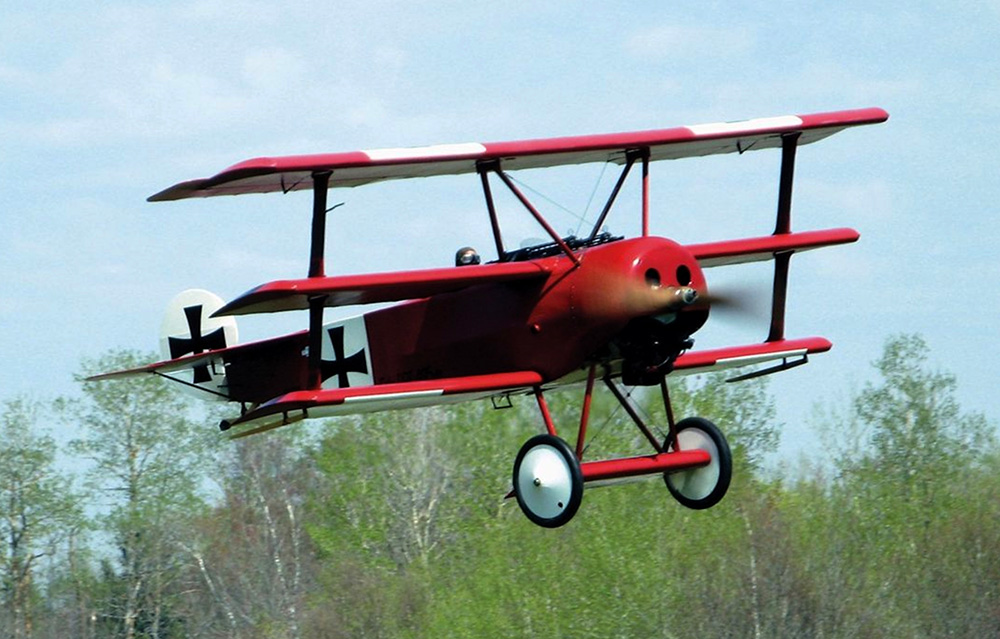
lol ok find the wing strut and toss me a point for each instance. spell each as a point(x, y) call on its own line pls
point(645, 191)
point(491, 207)
point(630, 158)
point(783, 226)
point(317, 268)
point(495, 167)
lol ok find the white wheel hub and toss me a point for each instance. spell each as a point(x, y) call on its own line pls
point(697, 483)
point(545, 481)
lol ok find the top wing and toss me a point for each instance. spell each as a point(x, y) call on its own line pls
point(291, 173)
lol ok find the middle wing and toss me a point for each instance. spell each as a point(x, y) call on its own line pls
point(370, 288)
point(755, 249)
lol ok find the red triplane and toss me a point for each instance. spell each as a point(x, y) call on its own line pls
point(569, 311)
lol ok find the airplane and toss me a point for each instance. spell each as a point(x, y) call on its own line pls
point(567, 311)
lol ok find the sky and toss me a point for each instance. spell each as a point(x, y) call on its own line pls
point(103, 104)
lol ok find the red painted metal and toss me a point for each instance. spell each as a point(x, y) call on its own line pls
point(546, 415)
point(644, 465)
point(581, 437)
point(552, 326)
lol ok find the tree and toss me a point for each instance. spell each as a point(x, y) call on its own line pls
point(148, 461)
point(251, 551)
point(918, 430)
point(901, 522)
point(37, 508)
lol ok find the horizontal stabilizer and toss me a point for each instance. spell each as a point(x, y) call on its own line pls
point(165, 367)
point(217, 359)
point(370, 288)
point(292, 173)
point(756, 249)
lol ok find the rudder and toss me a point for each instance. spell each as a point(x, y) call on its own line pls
point(188, 328)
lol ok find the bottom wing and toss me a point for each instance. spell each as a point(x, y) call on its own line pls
point(750, 355)
point(296, 406)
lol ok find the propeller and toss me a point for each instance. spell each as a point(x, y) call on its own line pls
point(731, 303)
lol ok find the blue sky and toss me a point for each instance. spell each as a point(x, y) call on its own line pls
point(103, 104)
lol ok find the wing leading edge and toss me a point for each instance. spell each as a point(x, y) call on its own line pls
point(291, 173)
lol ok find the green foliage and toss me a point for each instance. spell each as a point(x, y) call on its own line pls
point(917, 427)
point(147, 459)
point(395, 524)
point(38, 509)
point(743, 410)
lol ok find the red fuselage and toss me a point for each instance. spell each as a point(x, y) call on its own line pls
point(553, 326)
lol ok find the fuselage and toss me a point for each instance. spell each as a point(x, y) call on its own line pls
point(623, 305)
point(553, 326)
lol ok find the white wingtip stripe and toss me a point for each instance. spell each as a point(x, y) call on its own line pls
point(746, 126)
point(745, 360)
point(393, 396)
point(426, 152)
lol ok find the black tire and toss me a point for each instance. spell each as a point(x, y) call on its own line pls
point(701, 488)
point(553, 505)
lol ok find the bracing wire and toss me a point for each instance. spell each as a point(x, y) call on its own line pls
point(614, 413)
point(590, 200)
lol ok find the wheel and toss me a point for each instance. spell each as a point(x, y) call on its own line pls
point(548, 483)
point(703, 487)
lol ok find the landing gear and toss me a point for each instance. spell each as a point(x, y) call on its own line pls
point(549, 476)
point(548, 483)
point(703, 487)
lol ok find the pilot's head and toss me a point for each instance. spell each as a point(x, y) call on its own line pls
point(466, 256)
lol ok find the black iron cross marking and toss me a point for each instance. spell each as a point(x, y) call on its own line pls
point(197, 343)
point(340, 365)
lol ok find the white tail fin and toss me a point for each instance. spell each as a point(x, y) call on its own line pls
point(189, 329)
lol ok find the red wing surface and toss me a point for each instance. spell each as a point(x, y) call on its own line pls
point(756, 249)
point(346, 290)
